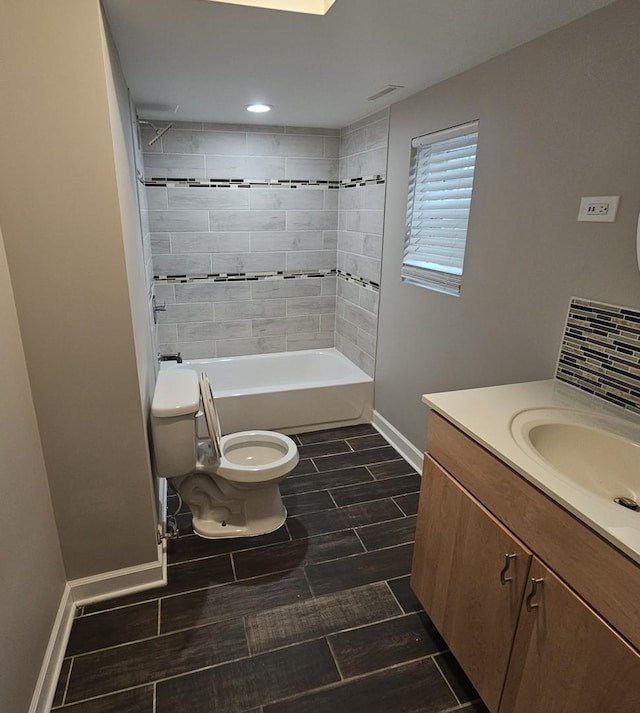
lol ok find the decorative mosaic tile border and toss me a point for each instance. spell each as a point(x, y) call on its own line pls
point(348, 277)
point(243, 276)
point(600, 352)
point(261, 183)
point(257, 276)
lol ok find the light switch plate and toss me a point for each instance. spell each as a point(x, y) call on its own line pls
point(598, 209)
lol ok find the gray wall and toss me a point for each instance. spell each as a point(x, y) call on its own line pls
point(61, 206)
point(559, 119)
point(33, 576)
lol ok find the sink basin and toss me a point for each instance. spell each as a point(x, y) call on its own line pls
point(598, 453)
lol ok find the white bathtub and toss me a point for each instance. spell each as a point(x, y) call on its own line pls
point(288, 391)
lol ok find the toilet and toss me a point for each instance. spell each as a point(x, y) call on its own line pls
point(230, 482)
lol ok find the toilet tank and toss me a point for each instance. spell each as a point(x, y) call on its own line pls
point(176, 401)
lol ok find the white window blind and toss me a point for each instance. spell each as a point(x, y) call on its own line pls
point(440, 185)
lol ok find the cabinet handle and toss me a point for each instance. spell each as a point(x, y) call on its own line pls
point(534, 590)
point(507, 563)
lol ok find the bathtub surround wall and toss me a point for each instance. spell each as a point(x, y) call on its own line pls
point(539, 106)
point(363, 169)
point(600, 352)
point(243, 223)
point(244, 230)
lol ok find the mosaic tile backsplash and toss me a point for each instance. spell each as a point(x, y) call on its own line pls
point(600, 352)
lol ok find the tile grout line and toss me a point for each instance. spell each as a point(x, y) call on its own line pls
point(334, 657)
point(445, 678)
point(357, 534)
point(159, 617)
point(66, 686)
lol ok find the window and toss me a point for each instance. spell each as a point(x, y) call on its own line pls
point(440, 185)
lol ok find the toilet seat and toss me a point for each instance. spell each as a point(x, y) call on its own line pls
point(247, 456)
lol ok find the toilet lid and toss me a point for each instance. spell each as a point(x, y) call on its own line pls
point(210, 414)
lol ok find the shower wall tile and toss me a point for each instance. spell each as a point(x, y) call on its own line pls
point(296, 342)
point(331, 200)
point(307, 168)
point(365, 267)
point(330, 239)
point(156, 198)
point(285, 199)
point(310, 260)
point(205, 142)
point(243, 167)
point(248, 262)
point(310, 305)
point(372, 246)
point(188, 332)
point(264, 128)
point(377, 133)
point(312, 220)
point(198, 264)
point(173, 165)
point(329, 286)
point(366, 121)
point(162, 221)
point(332, 146)
point(288, 325)
point(279, 230)
point(285, 145)
point(292, 240)
point(165, 294)
point(185, 313)
point(248, 220)
point(310, 131)
point(182, 198)
point(256, 345)
point(218, 242)
point(213, 292)
point(275, 289)
point(167, 333)
point(328, 323)
point(160, 243)
point(250, 310)
point(368, 163)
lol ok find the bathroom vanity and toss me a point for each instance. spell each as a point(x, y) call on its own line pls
point(533, 581)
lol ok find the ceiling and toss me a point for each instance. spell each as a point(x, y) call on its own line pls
point(212, 59)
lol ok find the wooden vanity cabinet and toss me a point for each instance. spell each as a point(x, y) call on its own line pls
point(469, 573)
point(566, 659)
point(526, 651)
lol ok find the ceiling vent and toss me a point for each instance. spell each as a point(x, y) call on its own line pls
point(384, 91)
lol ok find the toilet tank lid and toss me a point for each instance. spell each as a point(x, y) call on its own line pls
point(177, 393)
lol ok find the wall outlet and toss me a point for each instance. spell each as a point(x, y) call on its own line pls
point(599, 209)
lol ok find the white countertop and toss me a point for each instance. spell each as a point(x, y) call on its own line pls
point(486, 414)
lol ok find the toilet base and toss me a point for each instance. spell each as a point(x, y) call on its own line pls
point(214, 530)
point(262, 512)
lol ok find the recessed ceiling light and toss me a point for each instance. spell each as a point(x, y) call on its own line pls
point(312, 7)
point(258, 108)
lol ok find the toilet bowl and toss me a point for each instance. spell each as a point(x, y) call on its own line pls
point(230, 483)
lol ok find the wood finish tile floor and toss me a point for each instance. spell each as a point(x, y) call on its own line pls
point(317, 617)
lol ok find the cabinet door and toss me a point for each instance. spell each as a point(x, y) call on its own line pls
point(459, 555)
point(566, 658)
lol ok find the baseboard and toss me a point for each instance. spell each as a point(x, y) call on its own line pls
point(52, 663)
point(404, 447)
point(120, 582)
